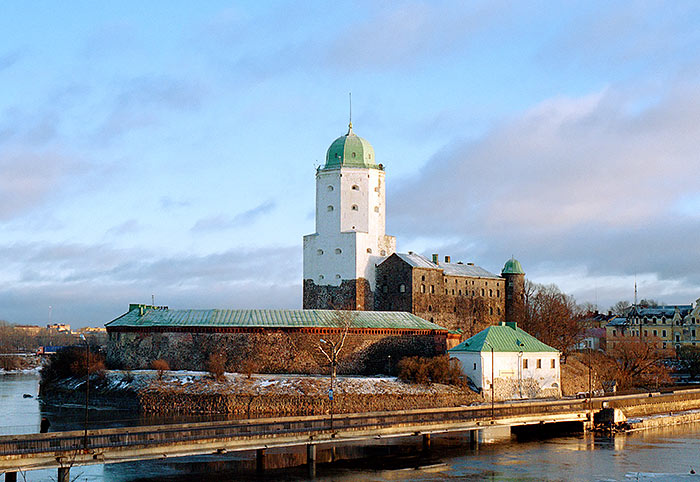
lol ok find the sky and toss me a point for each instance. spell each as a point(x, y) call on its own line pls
point(167, 150)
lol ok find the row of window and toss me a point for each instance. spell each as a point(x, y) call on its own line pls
point(553, 363)
point(354, 187)
point(382, 252)
point(354, 207)
point(459, 292)
point(321, 277)
point(654, 333)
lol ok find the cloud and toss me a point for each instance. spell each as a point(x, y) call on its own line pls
point(85, 282)
point(9, 59)
point(28, 178)
point(572, 182)
point(246, 218)
point(127, 227)
point(140, 102)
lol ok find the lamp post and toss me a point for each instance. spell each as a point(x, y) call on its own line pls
point(87, 387)
point(333, 365)
point(492, 380)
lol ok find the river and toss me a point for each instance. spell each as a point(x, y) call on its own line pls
point(667, 454)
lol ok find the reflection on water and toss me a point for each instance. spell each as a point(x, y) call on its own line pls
point(666, 454)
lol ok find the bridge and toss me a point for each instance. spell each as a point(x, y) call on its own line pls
point(63, 450)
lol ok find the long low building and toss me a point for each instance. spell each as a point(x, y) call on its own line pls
point(271, 341)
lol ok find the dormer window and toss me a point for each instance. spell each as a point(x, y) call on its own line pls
point(354, 207)
point(355, 187)
point(338, 251)
point(329, 208)
point(319, 252)
point(330, 188)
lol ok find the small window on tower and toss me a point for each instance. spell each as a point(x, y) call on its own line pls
point(382, 252)
point(330, 188)
point(354, 207)
point(337, 276)
point(338, 251)
point(354, 155)
point(319, 252)
point(376, 209)
point(355, 187)
point(330, 208)
point(369, 250)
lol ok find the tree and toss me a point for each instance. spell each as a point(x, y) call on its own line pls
point(635, 363)
point(552, 317)
point(621, 308)
point(161, 366)
point(689, 359)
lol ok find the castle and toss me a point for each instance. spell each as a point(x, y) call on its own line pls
point(351, 263)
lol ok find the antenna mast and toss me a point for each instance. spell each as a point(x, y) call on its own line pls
point(350, 123)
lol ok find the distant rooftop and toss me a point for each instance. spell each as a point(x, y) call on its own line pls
point(451, 269)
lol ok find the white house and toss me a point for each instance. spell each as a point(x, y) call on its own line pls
point(519, 364)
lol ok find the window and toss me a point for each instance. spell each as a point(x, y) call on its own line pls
point(422, 278)
point(554, 363)
point(422, 288)
point(319, 252)
point(337, 276)
point(430, 308)
point(382, 252)
point(491, 293)
point(402, 288)
point(354, 155)
point(646, 332)
point(320, 276)
point(678, 337)
point(354, 207)
point(490, 310)
point(385, 289)
point(656, 333)
point(474, 366)
point(614, 332)
point(355, 187)
point(376, 209)
point(693, 331)
point(329, 188)
point(432, 289)
point(460, 292)
point(453, 291)
point(483, 292)
point(329, 208)
point(663, 332)
point(499, 310)
point(498, 293)
point(539, 363)
point(524, 362)
point(338, 251)
point(369, 250)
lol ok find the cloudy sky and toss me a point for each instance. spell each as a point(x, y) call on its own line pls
point(168, 148)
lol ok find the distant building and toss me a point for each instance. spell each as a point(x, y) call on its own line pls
point(31, 330)
point(667, 326)
point(351, 263)
point(523, 366)
point(269, 341)
point(59, 327)
point(593, 339)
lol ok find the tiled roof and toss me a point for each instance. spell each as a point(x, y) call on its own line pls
point(163, 317)
point(506, 337)
point(664, 310)
point(618, 321)
point(450, 269)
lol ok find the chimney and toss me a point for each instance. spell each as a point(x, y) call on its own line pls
point(470, 264)
point(447, 259)
point(435, 259)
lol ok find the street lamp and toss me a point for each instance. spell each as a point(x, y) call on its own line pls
point(492, 380)
point(333, 360)
point(87, 387)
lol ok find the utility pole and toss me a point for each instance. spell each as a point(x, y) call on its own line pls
point(492, 381)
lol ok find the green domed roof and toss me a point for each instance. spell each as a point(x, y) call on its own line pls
point(350, 150)
point(512, 266)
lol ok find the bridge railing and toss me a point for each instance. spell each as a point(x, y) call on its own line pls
point(167, 434)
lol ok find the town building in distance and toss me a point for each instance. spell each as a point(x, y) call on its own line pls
point(351, 263)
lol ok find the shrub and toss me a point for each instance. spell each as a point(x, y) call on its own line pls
point(439, 369)
point(161, 366)
point(10, 363)
point(216, 365)
point(70, 362)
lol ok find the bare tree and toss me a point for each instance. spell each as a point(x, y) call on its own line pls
point(621, 308)
point(638, 363)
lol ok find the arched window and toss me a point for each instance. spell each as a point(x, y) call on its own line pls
point(369, 250)
point(354, 207)
point(320, 276)
point(319, 252)
point(376, 209)
point(491, 310)
point(355, 187)
point(430, 308)
point(422, 288)
point(330, 208)
point(330, 188)
point(337, 276)
point(338, 251)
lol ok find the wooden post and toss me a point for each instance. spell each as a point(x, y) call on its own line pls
point(311, 460)
point(426, 441)
point(64, 474)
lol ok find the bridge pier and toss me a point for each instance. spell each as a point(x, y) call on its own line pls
point(426, 441)
point(311, 460)
point(64, 474)
point(10, 476)
point(474, 437)
point(259, 460)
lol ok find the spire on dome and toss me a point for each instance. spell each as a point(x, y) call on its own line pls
point(350, 123)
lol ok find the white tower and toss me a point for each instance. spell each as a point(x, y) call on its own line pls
point(350, 239)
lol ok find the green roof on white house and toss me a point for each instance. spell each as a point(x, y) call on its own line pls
point(146, 316)
point(350, 150)
point(506, 337)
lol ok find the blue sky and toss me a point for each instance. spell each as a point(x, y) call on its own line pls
point(169, 148)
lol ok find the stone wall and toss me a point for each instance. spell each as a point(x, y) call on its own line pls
point(511, 389)
point(350, 295)
point(269, 351)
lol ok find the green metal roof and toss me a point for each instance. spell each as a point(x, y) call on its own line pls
point(512, 266)
point(350, 150)
point(506, 337)
point(162, 317)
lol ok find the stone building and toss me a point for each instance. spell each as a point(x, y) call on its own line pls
point(350, 262)
point(269, 341)
point(510, 361)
